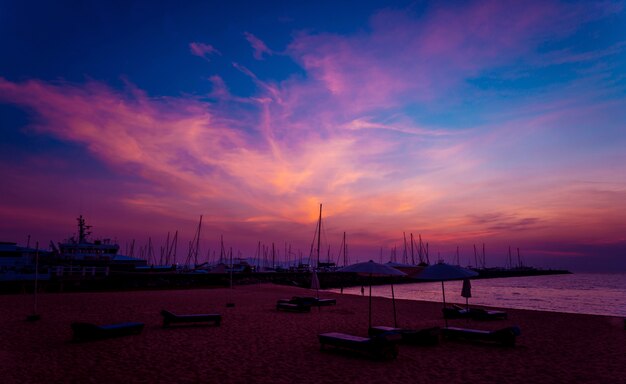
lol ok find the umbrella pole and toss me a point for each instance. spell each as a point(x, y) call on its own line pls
point(370, 314)
point(443, 291)
point(393, 300)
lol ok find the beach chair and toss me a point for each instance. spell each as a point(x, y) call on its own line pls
point(88, 331)
point(505, 336)
point(383, 346)
point(426, 336)
point(483, 314)
point(170, 318)
point(325, 302)
point(455, 312)
point(292, 307)
point(458, 312)
point(309, 300)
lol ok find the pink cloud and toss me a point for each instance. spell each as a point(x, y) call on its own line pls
point(189, 157)
point(203, 50)
point(404, 59)
point(259, 46)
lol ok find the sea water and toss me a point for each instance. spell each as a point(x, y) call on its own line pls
point(597, 294)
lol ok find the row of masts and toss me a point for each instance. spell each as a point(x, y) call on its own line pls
point(419, 252)
point(415, 252)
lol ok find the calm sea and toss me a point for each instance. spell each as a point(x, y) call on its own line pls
point(598, 294)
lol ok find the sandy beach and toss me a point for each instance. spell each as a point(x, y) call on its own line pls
point(258, 344)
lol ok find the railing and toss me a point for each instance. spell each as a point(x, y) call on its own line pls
point(79, 271)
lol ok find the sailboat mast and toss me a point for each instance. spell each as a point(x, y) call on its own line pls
point(175, 245)
point(231, 267)
point(164, 251)
point(475, 257)
point(421, 249)
point(222, 251)
point(345, 251)
point(198, 241)
point(405, 252)
point(258, 256)
point(412, 250)
point(319, 233)
point(484, 260)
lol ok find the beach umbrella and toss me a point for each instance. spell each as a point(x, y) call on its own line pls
point(371, 269)
point(466, 292)
point(444, 272)
point(394, 264)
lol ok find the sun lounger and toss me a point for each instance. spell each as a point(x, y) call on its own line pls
point(458, 312)
point(309, 300)
point(291, 307)
point(89, 331)
point(483, 314)
point(170, 318)
point(325, 302)
point(455, 312)
point(383, 346)
point(505, 336)
point(426, 336)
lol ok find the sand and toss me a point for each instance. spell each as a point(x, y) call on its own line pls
point(258, 344)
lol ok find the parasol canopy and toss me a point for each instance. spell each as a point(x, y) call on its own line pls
point(444, 272)
point(371, 268)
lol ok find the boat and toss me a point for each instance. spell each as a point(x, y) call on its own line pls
point(98, 253)
point(20, 263)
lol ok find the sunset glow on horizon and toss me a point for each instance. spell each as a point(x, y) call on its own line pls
point(490, 122)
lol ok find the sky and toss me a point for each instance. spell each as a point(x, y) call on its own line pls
point(500, 123)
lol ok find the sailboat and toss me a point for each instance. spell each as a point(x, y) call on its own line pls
point(320, 265)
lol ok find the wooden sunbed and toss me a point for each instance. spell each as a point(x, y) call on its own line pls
point(88, 331)
point(170, 318)
point(484, 314)
point(383, 346)
point(505, 336)
point(458, 312)
point(309, 300)
point(325, 302)
point(426, 336)
point(455, 313)
point(293, 307)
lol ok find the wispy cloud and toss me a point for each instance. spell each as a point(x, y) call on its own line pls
point(258, 45)
point(203, 50)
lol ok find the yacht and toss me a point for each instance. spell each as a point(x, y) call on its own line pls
point(103, 252)
point(20, 263)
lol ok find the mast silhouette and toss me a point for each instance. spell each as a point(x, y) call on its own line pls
point(319, 232)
